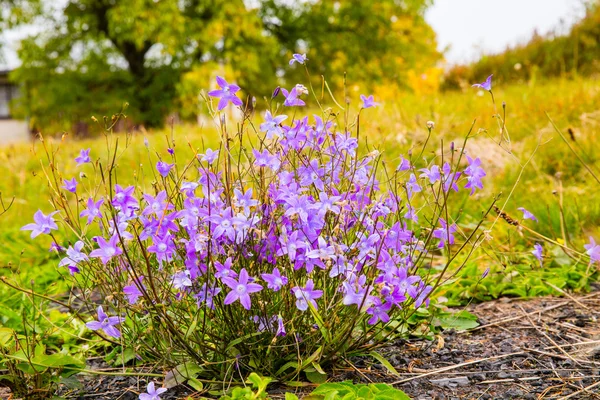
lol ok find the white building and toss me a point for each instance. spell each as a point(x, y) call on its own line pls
point(11, 130)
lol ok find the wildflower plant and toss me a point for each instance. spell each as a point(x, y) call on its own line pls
point(286, 249)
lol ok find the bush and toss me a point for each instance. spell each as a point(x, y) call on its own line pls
point(281, 252)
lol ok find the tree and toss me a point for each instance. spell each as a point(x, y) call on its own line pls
point(154, 54)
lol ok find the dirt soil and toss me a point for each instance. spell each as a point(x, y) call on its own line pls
point(544, 348)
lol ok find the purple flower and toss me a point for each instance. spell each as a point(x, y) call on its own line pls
point(226, 94)
point(445, 233)
point(163, 247)
point(106, 323)
point(368, 102)
point(132, 292)
point(450, 178)
point(272, 125)
point(280, 327)
point(306, 295)
point(92, 211)
point(379, 311)
point(74, 257)
point(123, 199)
point(206, 295)
point(404, 164)
point(527, 214)
point(209, 156)
point(224, 270)
point(412, 186)
point(474, 174)
point(241, 289)
point(170, 151)
point(245, 200)
point(292, 98)
point(593, 250)
point(42, 224)
point(265, 159)
point(181, 280)
point(84, 157)
point(70, 185)
point(275, 280)
point(151, 393)
point(156, 205)
point(299, 58)
point(163, 168)
point(538, 253)
point(433, 174)
point(487, 85)
point(107, 250)
point(423, 296)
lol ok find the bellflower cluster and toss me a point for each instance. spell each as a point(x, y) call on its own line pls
point(297, 231)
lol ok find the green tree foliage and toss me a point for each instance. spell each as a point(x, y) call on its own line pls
point(542, 57)
point(374, 42)
point(94, 55)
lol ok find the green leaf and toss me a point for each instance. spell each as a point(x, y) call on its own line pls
point(181, 374)
point(195, 384)
point(319, 321)
point(384, 362)
point(290, 396)
point(6, 336)
point(315, 376)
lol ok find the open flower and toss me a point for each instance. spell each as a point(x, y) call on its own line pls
point(241, 289)
point(226, 94)
point(368, 102)
point(42, 224)
point(106, 323)
point(152, 393)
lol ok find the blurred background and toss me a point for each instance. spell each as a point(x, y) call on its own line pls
point(62, 61)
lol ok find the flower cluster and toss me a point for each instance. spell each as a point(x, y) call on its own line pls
point(304, 232)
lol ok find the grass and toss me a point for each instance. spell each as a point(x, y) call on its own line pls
point(552, 181)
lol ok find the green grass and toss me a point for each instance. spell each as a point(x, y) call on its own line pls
point(553, 179)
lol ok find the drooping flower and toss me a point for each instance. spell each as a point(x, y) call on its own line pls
point(538, 253)
point(298, 58)
point(226, 94)
point(368, 102)
point(84, 157)
point(404, 164)
point(280, 326)
point(487, 85)
point(412, 186)
point(527, 214)
point(164, 168)
point(70, 185)
point(152, 393)
point(306, 295)
point(42, 224)
point(106, 323)
point(209, 156)
point(241, 289)
point(107, 250)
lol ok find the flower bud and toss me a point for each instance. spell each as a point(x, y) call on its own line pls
point(430, 124)
point(276, 92)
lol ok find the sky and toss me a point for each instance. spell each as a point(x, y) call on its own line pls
point(465, 28)
point(472, 27)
